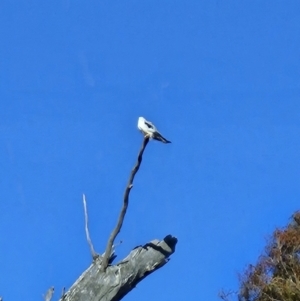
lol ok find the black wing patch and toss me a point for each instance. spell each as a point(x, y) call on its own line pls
point(149, 125)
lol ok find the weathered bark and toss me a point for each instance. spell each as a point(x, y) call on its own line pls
point(121, 278)
point(104, 282)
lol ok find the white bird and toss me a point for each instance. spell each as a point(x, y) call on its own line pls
point(149, 130)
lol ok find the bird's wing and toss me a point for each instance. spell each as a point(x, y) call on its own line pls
point(145, 127)
point(150, 125)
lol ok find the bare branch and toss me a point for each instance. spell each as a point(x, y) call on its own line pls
point(49, 294)
point(118, 227)
point(94, 254)
point(226, 295)
point(63, 293)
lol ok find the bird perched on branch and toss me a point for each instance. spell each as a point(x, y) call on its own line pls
point(149, 130)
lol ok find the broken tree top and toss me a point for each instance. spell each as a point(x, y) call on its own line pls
point(121, 278)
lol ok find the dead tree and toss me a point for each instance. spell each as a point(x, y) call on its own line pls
point(103, 280)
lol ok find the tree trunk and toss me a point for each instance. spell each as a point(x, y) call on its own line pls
point(118, 280)
point(105, 282)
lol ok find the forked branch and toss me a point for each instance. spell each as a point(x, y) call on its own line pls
point(118, 227)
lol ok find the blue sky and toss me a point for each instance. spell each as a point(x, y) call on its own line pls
point(220, 79)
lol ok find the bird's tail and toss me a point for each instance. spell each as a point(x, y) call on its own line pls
point(160, 138)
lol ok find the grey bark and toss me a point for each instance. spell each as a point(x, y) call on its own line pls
point(119, 279)
point(105, 282)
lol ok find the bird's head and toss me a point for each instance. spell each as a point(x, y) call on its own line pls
point(141, 120)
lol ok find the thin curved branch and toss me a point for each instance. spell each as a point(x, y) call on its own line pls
point(118, 227)
point(93, 253)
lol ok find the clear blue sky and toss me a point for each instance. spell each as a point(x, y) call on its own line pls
point(220, 79)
